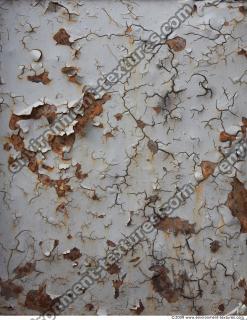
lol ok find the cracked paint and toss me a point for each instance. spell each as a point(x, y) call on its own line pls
point(169, 122)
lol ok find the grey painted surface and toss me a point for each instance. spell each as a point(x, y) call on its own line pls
point(136, 154)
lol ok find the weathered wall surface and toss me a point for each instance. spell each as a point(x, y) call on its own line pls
point(177, 114)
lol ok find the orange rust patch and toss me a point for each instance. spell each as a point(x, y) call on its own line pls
point(39, 300)
point(138, 309)
point(176, 44)
point(74, 79)
point(22, 271)
point(113, 269)
point(18, 144)
point(58, 143)
point(108, 135)
point(214, 246)
point(242, 9)
point(116, 285)
point(208, 168)
point(153, 146)
point(118, 116)
point(93, 108)
point(6, 146)
point(163, 285)
point(224, 137)
point(46, 110)
point(43, 78)
point(62, 37)
point(242, 52)
point(89, 306)
point(61, 186)
point(73, 255)
point(111, 243)
point(140, 124)
point(237, 203)
point(69, 70)
point(175, 225)
point(128, 29)
point(79, 174)
point(157, 109)
point(10, 289)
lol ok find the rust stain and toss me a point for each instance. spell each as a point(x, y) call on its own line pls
point(176, 225)
point(24, 270)
point(73, 255)
point(92, 109)
point(39, 300)
point(48, 111)
point(163, 285)
point(176, 44)
point(116, 285)
point(62, 37)
point(43, 78)
point(138, 309)
point(9, 289)
point(215, 246)
point(208, 168)
point(237, 203)
point(224, 137)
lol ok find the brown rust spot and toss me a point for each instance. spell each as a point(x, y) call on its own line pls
point(59, 143)
point(242, 52)
point(176, 225)
point(242, 9)
point(62, 208)
point(157, 109)
point(116, 285)
point(75, 79)
point(39, 300)
point(48, 111)
point(9, 289)
point(89, 306)
point(6, 146)
point(69, 70)
point(92, 108)
point(24, 270)
point(73, 255)
point(113, 269)
point(140, 124)
point(176, 44)
point(18, 145)
point(61, 186)
point(62, 37)
point(118, 116)
point(208, 168)
point(46, 167)
point(163, 285)
point(214, 246)
point(17, 142)
point(237, 203)
point(221, 307)
point(111, 243)
point(224, 137)
point(153, 146)
point(108, 135)
point(79, 174)
point(138, 309)
point(43, 78)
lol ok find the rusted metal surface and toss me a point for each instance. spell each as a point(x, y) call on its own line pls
point(169, 122)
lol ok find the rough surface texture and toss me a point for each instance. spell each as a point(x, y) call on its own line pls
point(173, 118)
